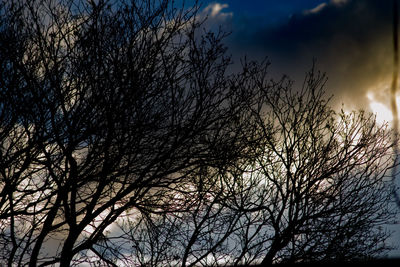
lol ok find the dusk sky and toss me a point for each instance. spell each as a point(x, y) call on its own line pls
point(351, 40)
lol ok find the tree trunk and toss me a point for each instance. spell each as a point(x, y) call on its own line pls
point(275, 247)
point(66, 253)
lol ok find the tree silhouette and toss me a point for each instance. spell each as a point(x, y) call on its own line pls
point(315, 186)
point(327, 187)
point(124, 140)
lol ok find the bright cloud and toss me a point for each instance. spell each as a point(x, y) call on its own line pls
point(215, 9)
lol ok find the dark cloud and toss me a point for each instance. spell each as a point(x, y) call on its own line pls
point(350, 40)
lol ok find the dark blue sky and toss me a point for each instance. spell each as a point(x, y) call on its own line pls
point(349, 39)
point(271, 11)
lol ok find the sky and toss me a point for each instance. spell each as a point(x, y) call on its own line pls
point(350, 40)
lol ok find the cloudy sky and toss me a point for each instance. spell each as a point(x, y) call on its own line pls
point(351, 40)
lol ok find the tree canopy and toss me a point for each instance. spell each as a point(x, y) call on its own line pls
point(126, 140)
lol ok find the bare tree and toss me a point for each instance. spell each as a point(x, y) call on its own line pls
point(311, 185)
point(116, 101)
point(125, 141)
point(326, 178)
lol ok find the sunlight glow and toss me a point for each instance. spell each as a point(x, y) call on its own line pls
point(382, 111)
